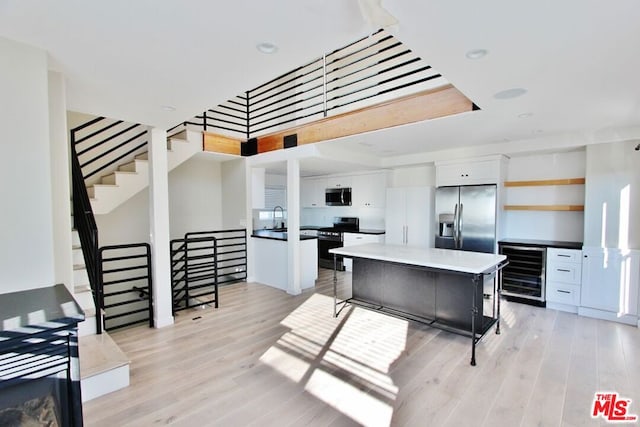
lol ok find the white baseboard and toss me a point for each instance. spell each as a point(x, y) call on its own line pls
point(608, 315)
point(562, 307)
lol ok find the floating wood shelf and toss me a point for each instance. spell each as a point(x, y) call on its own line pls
point(575, 208)
point(566, 181)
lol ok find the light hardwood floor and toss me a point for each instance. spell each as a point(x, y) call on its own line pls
point(265, 358)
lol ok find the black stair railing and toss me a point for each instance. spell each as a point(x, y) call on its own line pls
point(84, 222)
point(202, 261)
point(127, 285)
point(102, 144)
point(371, 70)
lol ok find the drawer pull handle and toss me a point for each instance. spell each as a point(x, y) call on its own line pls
point(564, 256)
point(563, 292)
point(563, 270)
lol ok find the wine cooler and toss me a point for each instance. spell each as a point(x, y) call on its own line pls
point(524, 277)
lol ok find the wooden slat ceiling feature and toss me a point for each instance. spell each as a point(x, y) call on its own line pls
point(440, 102)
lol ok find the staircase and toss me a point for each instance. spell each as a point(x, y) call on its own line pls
point(103, 366)
point(116, 170)
point(130, 178)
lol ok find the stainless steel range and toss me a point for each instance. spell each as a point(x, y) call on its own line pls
point(332, 237)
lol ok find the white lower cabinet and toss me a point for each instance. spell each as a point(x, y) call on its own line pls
point(610, 281)
point(353, 239)
point(563, 279)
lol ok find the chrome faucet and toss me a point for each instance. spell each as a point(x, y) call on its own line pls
point(274, 216)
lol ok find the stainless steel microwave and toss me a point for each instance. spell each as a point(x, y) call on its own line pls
point(337, 196)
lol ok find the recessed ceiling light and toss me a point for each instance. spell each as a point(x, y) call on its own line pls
point(525, 115)
point(510, 93)
point(266, 47)
point(476, 53)
point(168, 108)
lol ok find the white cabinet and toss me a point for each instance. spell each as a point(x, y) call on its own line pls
point(610, 284)
point(601, 280)
point(312, 192)
point(409, 216)
point(353, 239)
point(563, 279)
point(338, 181)
point(469, 172)
point(369, 190)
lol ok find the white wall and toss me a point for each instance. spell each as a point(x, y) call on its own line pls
point(415, 176)
point(195, 190)
point(545, 225)
point(369, 217)
point(195, 196)
point(26, 225)
point(613, 196)
point(234, 193)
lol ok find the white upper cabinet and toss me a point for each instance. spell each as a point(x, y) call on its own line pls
point(369, 190)
point(339, 181)
point(312, 192)
point(469, 172)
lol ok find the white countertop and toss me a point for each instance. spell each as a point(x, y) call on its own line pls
point(446, 259)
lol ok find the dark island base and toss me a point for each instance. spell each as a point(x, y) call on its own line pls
point(443, 299)
point(486, 322)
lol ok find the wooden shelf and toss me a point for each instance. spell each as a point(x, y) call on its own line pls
point(573, 208)
point(566, 181)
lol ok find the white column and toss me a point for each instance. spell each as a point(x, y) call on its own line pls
point(293, 226)
point(159, 227)
point(60, 181)
point(248, 208)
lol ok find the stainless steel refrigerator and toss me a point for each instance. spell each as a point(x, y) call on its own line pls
point(466, 218)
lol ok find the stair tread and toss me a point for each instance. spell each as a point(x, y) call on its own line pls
point(105, 185)
point(75, 247)
point(78, 289)
point(99, 354)
point(79, 266)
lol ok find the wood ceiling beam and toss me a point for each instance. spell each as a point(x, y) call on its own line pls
point(431, 104)
point(220, 144)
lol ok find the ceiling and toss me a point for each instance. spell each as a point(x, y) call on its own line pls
point(577, 60)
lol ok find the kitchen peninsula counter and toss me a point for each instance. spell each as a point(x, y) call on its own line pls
point(440, 287)
point(271, 259)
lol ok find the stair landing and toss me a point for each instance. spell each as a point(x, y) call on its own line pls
point(104, 368)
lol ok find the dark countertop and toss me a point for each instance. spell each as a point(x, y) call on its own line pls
point(44, 308)
point(367, 231)
point(361, 231)
point(277, 235)
point(542, 243)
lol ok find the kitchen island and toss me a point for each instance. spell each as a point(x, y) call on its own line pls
point(439, 287)
point(271, 266)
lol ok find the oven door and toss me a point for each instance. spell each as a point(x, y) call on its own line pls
point(325, 259)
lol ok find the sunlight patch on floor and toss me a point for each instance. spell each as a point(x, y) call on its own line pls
point(345, 362)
